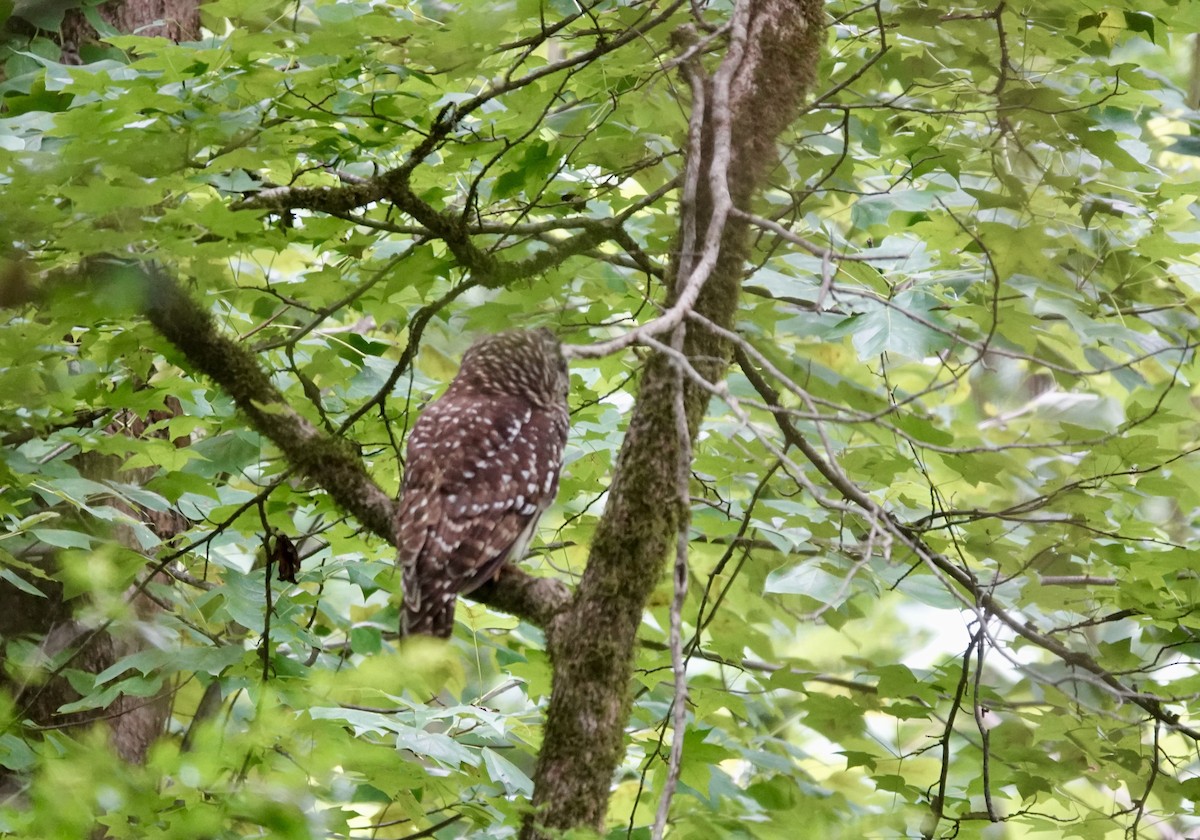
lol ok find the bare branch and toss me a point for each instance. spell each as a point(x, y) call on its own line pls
point(977, 596)
point(678, 664)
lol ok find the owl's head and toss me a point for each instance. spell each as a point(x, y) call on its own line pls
point(525, 363)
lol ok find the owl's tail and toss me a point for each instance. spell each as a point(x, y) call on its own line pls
point(427, 611)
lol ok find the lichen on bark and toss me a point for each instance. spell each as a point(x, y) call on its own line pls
point(593, 643)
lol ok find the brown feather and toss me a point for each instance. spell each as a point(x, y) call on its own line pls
point(483, 464)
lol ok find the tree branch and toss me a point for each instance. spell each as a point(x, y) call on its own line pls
point(978, 596)
point(751, 99)
point(325, 460)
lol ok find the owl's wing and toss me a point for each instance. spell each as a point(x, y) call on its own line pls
point(480, 472)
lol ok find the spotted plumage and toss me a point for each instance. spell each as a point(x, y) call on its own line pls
point(483, 464)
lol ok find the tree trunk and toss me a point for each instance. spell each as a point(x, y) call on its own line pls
point(178, 20)
point(754, 95)
point(133, 722)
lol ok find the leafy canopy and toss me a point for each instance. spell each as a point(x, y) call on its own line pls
point(986, 330)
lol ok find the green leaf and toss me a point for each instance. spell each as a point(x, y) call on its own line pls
point(20, 583)
point(979, 330)
point(1140, 22)
point(507, 774)
point(62, 538)
point(810, 580)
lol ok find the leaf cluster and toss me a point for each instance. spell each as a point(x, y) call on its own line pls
point(973, 297)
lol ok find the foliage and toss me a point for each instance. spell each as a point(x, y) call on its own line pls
point(985, 331)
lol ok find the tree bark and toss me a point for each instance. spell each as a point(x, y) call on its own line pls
point(753, 96)
point(178, 20)
point(133, 722)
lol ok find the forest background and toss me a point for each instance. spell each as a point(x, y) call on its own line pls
point(883, 320)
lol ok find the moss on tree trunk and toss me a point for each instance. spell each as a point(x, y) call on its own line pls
point(593, 643)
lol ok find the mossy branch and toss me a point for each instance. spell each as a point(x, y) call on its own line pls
point(327, 461)
point(486, 268)
point(739, 112)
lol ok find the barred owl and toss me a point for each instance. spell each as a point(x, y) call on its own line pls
point(483, 464)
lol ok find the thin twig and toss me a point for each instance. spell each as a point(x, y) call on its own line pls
point(693, 281)
point(678, 665)
point(985, 738)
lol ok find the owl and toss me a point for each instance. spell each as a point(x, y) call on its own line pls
point(483, 464)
